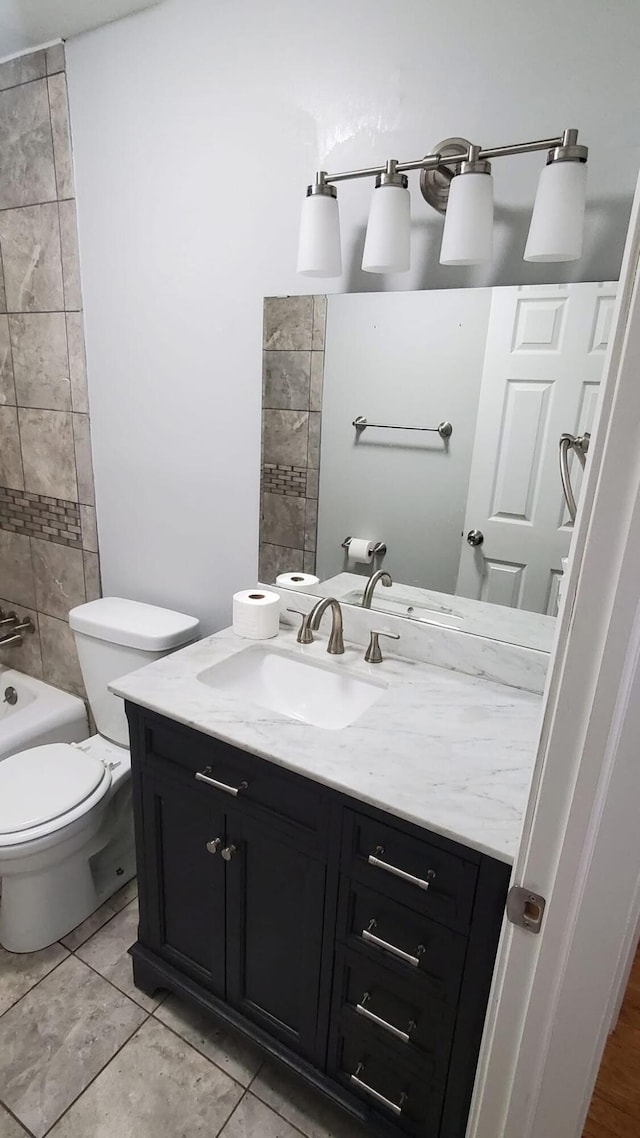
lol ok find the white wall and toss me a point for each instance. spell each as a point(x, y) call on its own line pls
point(196, 127)
point(411, 358)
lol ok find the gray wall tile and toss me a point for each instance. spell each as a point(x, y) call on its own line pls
point(60, 665)
point(26, 657)
point(93, 587)
point(283, 520)
point(55, 58)
point(317, 380)
point(309, 563)
point(310, 524)
point(313, 480)
point(319, 322)
point(7, 387)
point(16, 574)
point(26, 150)
point(58, 574)
point(276, 559)
point(286, 379)
point(288, 323)
point(89, 528)
point(70, 256)
point(48, 453)
point(22, 69)
point(314, 439)
point(77, 362)
point(84, 468)
point(30, 244)
point(41, 366)
point(3, 295)
point(285, 437)
point(61, 137)
point(10, 457)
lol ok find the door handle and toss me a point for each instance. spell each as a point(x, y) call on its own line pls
point(475, 537)
point(229, 851)
point(214, 845)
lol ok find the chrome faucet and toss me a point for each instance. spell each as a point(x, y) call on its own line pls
point(384, 578)
point(311, 624)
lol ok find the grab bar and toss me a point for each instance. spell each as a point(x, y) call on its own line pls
point(580, 445)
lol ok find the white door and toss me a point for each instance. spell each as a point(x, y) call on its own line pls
point(554, 994)
point(542, 370)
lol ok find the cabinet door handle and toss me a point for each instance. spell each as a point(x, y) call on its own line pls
point(396, 1107)
point(422, 883)
point(228, 852)
point(364, 1011)
point(205, 776)
point(214, 845)
point(367, 935)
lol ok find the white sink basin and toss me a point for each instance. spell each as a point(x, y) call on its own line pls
point(299, 688)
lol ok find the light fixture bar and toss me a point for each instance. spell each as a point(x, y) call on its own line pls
point(433, 161)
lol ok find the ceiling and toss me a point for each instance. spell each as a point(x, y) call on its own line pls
point(26, 24)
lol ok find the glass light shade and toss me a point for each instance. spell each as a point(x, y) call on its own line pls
point(555, 233)
point(468, 228)
point(319, 244)
point(388, 240)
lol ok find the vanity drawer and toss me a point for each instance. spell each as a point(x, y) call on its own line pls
point(229, 774)
point(402, 940)
point(400, 1012)
point(410, 869)
point(406, 1094)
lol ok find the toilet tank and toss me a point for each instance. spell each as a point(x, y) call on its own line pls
point(115, 636)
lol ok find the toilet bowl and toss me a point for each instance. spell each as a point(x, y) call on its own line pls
point(66, 827)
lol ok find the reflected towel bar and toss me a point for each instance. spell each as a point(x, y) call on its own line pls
point(445, 429)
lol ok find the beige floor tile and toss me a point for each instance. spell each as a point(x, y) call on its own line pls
point(252, 1119)
point(19, 971)
point(9, 1128)
point(57, 1039)
point(240, 1059)
point(123, 897)
point(156, 1087)
point(303, 1107)
point(107, 952)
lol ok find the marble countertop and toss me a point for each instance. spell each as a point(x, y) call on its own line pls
point(450, 752)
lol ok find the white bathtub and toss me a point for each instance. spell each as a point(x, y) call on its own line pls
point(41, 714)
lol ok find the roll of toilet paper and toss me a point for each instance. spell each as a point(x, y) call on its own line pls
point(302, 581)
point(256, 614)
point(361, 550)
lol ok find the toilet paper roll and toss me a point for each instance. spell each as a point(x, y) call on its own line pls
point(361, 550)
point(256, 614)
point(302, 581)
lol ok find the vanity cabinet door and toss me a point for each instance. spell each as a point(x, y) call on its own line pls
point(275, 914)
point(185, 886)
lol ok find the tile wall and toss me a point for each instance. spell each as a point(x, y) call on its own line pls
point(48, 541)
point(292, 377)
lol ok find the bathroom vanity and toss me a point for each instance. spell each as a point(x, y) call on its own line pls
point(335, 895)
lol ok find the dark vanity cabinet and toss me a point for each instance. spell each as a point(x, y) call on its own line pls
point(354, 947)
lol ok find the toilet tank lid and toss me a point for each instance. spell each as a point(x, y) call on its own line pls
point(133, 624)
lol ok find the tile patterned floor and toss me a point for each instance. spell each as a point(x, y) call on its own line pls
point(84, 1054)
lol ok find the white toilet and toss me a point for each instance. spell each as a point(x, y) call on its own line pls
point(66, 827)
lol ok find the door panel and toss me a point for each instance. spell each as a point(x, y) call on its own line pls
point(542, 370)
point(187, 924)
point(274, 931)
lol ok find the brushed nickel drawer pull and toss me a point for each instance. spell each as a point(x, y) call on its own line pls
point(422, 883)
point(364, 1011)
point(214, 845)
point(367, 935)
point(396, 1107)
point(205, 776)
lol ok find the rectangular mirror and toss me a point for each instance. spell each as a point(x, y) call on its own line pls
point(428, 424)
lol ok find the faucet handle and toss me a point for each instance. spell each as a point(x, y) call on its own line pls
point(305, 635)
point(373, 655)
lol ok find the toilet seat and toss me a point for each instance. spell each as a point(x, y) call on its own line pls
point(46, 788)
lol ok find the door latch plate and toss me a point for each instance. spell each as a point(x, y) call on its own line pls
point(525, 908)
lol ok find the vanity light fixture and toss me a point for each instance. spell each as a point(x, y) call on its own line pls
point(456, 180)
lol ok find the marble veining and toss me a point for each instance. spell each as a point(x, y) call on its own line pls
point(444, 750)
